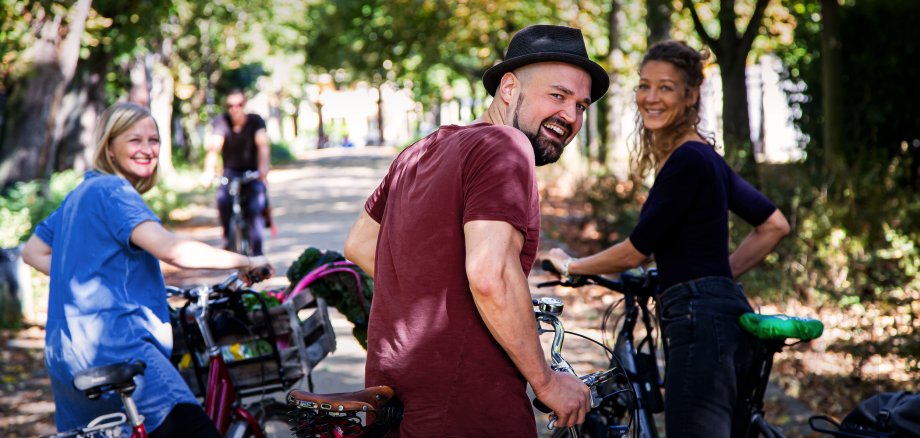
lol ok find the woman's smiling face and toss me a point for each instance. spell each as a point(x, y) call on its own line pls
point(136, 151)
point(662, 95)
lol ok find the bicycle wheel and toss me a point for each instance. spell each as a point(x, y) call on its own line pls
point(273, 418)
point(761, 428)
point(238, 241)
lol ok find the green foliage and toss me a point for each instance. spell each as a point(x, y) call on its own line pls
point(281, 153)
point(615, 206)
point(880, 87)
point(338, 289)
point(25, 204)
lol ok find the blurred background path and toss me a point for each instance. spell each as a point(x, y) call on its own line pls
point(314, 203)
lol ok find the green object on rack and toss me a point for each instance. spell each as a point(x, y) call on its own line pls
point(338, 289)
point(778, 327)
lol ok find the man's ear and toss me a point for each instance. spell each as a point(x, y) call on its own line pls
point(506, 87)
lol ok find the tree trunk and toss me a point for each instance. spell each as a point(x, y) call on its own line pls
point(161, 106)
point(380, 126)
point(658, 20)
point(831, 81)
point(29, 150)
point(739, 149)
point(78, 144)
point(731, 49)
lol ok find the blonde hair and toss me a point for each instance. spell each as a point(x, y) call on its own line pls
point(115, 120)
point(649, 149)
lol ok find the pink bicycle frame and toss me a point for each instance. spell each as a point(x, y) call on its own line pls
point(221, 395)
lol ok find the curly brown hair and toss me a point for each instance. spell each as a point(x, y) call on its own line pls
point(649, 149)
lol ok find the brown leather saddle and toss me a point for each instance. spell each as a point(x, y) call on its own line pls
point(366, 400)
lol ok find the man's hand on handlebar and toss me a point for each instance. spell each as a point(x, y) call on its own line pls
point(567, 396)
point(259, 269)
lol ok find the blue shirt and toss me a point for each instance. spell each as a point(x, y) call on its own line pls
point(684, 221)
point(107, 302)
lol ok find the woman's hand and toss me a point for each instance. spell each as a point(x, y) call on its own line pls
point(557, 257)
point(259, 269)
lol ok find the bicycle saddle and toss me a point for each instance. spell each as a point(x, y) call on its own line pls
point(366, 400)
point(118, 376)
point(781, 327)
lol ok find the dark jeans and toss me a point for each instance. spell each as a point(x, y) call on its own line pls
point(708, 354)
point(254, 201)
point(186, 420)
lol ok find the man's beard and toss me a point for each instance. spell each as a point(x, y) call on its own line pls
point(545, 150)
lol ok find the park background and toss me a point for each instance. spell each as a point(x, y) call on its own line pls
point(815, 101)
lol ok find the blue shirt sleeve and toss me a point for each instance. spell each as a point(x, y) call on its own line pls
point(669, 199)
point(45, 229)
point(125, 210)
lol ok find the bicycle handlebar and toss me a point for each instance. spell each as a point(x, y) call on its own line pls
point(643, 283)
point(548, 311)
point(232, 283)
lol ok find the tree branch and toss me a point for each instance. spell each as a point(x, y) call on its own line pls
point(753, 27)
point(698, 24)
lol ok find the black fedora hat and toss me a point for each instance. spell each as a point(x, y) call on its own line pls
point(544, 43)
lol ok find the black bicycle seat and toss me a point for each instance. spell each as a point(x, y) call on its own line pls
point(117, 376)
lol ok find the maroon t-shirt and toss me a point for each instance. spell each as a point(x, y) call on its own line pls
point(426, 338)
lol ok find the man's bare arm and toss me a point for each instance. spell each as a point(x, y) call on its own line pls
point(502, 296)
point(214, 144)
point(265, 152)
point(361, 243)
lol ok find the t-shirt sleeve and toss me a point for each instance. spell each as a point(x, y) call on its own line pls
point(499, 178)
point(257, 122)
point(747, 202)
point(220, 127)
point(124, 211)
point(45, 229)
point(670, 198)
point(377, 202)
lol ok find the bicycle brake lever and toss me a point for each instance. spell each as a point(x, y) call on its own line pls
point(549, 283)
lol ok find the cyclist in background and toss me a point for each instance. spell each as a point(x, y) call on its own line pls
point(243, 144)
point(450, 235)
point(107, 301)
point(684, 223)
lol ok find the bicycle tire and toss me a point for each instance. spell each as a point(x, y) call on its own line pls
point(764, 429)
point(238, 242)
point(273, 417)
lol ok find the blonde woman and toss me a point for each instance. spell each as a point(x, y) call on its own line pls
point(684, 224)
point(107, 301)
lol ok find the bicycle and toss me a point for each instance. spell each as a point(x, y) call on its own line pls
point(638, 387)
point(339, 415)
point(771, 331)
point(116, 378)
point(222, 326)
point(238, 226)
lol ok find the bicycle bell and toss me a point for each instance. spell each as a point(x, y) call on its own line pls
point(551, 305)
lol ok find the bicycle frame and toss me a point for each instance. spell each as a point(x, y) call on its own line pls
point(235, 190)
point(220, 396)
point(637, 291)
point(625, 354)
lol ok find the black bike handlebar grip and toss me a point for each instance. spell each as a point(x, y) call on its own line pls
point(541, 407)
point(548, 266)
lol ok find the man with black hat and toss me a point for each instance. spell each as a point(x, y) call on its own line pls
point(450, 235)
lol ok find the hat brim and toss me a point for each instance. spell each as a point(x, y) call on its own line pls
point(600, 81)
